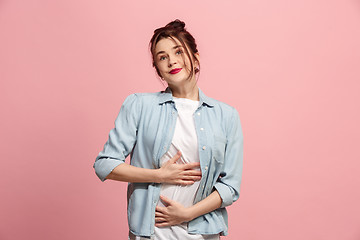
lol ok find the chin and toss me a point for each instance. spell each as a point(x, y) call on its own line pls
point(178, 78)
point(176, 83)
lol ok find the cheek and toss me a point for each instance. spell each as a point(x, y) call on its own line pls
point(162, 67)
point(188, 65)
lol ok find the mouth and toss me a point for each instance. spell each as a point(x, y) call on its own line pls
point(175, 70)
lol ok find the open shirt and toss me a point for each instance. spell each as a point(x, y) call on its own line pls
point(144, 129)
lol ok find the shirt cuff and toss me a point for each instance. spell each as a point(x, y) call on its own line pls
point(225, 194)
point(104, 166)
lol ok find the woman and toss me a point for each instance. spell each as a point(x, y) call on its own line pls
point(186, 149)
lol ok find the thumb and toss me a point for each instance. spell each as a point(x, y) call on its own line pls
point(166, 200)
point(175, 158)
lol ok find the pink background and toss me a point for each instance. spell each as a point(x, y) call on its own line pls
point(291, 68)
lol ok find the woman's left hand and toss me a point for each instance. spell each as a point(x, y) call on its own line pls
point(173, 214)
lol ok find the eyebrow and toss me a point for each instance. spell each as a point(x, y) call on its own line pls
point(177, 46)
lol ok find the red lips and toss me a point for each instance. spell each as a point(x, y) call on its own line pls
point(175, 70)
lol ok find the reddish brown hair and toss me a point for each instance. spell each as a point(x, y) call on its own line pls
point(176, 29)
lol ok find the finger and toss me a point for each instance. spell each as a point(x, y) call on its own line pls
point(163, 224)
point(191, 178)
point(159, 214)
point(186, 182)
point(160, 220)
point(160, 210)
point(192, 173)
point(191, 165)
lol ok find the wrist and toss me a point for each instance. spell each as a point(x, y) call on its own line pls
point(189, 213)
point(158, 176)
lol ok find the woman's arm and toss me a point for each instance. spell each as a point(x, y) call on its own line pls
point(175, 213)
point(110, 163)
point(170, 172)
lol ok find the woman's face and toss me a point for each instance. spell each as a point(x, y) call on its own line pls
point(172, 61)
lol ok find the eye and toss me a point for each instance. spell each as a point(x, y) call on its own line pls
point(179, 52)
point(162, 58)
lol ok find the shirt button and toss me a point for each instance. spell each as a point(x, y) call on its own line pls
point(198, 114)
point(203, 147)
point(206, 168)
point(202, 129)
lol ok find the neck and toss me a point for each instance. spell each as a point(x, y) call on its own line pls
point(189, 91)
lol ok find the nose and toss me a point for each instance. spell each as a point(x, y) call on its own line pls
point(172, 60)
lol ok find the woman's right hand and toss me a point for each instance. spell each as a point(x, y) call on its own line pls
point(183, 174)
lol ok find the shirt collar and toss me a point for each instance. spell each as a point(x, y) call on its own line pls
point(167, 96)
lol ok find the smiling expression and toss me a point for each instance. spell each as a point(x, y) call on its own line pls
point(172, 62)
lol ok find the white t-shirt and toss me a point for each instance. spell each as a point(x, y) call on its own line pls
point(185, 140)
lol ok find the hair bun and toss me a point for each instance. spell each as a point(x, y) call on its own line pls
point(176, 24)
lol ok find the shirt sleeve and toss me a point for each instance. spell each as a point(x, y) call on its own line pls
point(122, 138)
point(228, 184)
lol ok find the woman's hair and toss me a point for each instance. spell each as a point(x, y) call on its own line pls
point(176, 29)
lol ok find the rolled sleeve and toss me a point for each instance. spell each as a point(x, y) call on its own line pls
point(104, 166)
point(225, 194)
point(228, 185)
point(122, 139)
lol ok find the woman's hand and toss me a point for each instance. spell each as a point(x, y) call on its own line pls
point(183, 174)
point(173, 214)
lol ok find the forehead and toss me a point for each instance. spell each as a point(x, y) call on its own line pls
point(166, 44)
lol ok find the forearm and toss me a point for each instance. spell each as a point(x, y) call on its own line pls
point(208, 204)
point(128, 173)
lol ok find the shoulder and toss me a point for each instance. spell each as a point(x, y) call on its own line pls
point(137, 104)
point(226, 109)
point(226, 114)
point(142, 98)
point(221, 104)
